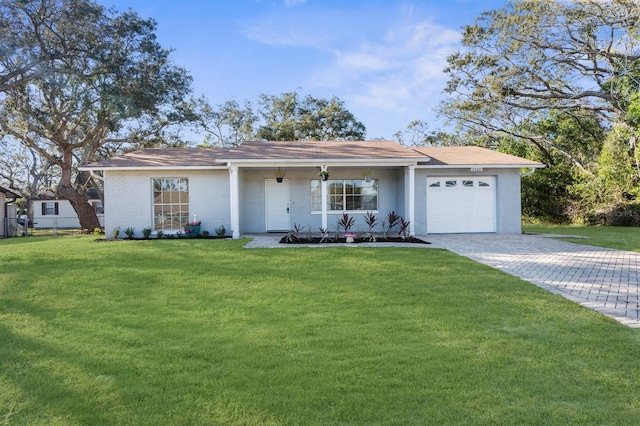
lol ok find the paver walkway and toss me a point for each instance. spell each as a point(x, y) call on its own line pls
point(605, 280)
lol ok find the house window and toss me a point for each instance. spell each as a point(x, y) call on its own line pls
point(98, 207)
point(346, 195)
point(50, 208)
point(170, 203)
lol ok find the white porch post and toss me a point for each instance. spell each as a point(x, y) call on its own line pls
point(323, 192)
point(235, 201)
point(412, 199)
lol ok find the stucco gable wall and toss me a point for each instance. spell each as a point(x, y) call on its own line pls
point(129, 198)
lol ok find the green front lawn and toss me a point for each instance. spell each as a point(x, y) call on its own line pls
point(617, 237)
point(206, 332)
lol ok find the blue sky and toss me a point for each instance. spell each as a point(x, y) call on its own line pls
point(384, 59)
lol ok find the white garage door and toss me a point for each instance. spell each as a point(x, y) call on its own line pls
point(461, 204)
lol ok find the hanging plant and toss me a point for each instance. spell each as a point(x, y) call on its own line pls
point(280, 174)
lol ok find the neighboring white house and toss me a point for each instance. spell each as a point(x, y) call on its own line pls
point(6, 221)
point(51, 212)
point(437, 189)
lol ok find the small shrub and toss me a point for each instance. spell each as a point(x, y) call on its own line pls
point(221, 231)
point(129, 232)
point(294, 234)
point(371, 220)
point(404, 228)
point(623, 214)
point(205, 233)
point(160, 234)
point(324, 233)
point(346, 222)
point(115, 232)
point(392, 220)
point(98, 231)
point(146, 233)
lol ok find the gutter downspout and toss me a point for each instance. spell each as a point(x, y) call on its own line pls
point(95, 175)
point(530, 172)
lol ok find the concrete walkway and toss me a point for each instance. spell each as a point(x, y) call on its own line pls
point(605, 280)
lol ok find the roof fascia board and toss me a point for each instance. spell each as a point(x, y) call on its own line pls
point(142, 168)
point(481, 166)
point(316, 162)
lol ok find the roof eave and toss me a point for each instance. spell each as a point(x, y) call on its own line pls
point(136, 168)
point(315, 161)
point(481, 166)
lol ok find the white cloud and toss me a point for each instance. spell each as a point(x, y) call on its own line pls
point(389, 59)
point(398, 72)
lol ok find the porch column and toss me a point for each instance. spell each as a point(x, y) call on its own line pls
point(323, 192)
point(411, 207)
point(234, 198)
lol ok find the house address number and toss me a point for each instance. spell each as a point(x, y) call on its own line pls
point(476, 169)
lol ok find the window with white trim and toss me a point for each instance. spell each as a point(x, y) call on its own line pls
point(170, 203)
point(50, 208)
point(346, 195)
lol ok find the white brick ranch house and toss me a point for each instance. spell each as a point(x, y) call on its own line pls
point(438, 189)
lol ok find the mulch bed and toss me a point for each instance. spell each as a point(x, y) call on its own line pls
point(290, 239)
point(199, 237)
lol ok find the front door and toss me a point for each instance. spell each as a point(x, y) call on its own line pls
point(277, 205)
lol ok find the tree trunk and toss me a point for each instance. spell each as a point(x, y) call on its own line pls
point(80, 203)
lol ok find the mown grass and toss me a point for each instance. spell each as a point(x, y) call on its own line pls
point(207, 332)
point(617, 237)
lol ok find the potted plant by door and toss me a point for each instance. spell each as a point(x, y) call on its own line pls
point(324, 175)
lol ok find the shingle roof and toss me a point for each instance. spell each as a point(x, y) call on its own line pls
point(308, 151)
point(471, 156)
point(162, 158)
point(92, 194)
point(9, 193)
point(321, 150)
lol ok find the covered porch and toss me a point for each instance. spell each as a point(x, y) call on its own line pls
point(276, 196)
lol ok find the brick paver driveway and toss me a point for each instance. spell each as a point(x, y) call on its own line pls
point(601, 279)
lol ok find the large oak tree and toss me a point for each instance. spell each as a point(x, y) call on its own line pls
point(533, 58)
point(78, 82)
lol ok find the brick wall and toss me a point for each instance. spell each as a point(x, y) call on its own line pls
point(128, 198)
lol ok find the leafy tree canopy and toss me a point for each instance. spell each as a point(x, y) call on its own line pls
point(562, 78)
point(287, 116)
point(78, 82)
point(533, 57)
